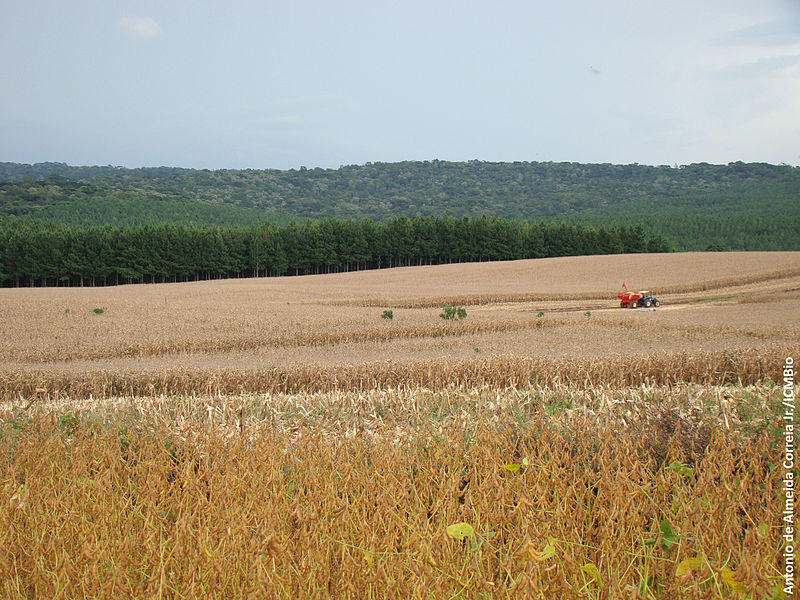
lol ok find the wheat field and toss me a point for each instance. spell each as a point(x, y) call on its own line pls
point(277, 438)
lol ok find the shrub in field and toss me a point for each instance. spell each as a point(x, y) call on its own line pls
point(453, 313)
point(387, 314)
point(99, 311)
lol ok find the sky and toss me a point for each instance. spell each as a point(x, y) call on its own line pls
point(207, 84)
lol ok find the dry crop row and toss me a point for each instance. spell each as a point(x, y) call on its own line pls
point(667, 368)
point(503, 298)
point(652, 412)
point(267, 337)
point(451, 494)
point(278, 343)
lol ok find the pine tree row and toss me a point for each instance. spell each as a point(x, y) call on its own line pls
point(35, 252)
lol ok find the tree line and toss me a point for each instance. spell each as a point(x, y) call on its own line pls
point(35, 252)
point(741, 230)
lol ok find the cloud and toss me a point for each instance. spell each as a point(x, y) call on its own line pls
point(139, 27)
point(776, 32)
point(763, 66)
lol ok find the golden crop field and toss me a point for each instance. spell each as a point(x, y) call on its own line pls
point(711, 302)
point(278, 438)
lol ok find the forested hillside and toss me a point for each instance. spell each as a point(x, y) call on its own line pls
point(381, 191)
point(694, 207)
point(100, 202)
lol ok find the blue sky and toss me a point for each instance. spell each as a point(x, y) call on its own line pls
point(279, 85)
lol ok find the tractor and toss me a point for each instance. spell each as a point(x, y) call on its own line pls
point(643, 298)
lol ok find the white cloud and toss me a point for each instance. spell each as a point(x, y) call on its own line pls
point(140, 27)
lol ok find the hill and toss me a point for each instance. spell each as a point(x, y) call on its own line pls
point(742, 206)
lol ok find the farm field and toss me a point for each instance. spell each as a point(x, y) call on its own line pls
point(711, 302)
point(277, 438)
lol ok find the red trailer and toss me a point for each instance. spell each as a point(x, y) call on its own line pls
point(628, 299)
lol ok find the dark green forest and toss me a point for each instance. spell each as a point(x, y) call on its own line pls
point(81, 225)
point(380, 191)
point(35, 252)
point(715, 202)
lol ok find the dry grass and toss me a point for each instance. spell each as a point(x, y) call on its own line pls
point(572, 494)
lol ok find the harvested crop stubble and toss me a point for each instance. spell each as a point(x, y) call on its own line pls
point(94, 504)
point(738, 366)
point(494, 298)
point(289, 321)
point(300, 338)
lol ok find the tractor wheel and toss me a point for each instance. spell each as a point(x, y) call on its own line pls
point(634, 304)
point(622, 305)
point(647, 303)
point(656, 303)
